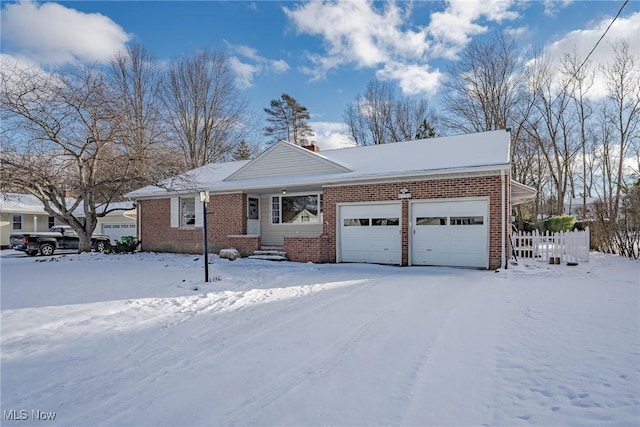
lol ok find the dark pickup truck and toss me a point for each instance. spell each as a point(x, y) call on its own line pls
point(58, 237)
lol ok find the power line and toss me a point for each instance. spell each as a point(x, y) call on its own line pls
point(602, 36)
point(575, 73)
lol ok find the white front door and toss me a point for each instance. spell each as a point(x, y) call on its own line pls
point(253, 216)
point(450, 233)
point(371, 233)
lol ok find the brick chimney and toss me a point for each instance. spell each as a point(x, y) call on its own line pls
point(312, 147)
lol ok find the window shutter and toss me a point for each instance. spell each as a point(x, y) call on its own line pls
point(198, 211)
point(175, 212)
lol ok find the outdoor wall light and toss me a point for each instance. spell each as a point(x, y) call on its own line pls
point(284, 191)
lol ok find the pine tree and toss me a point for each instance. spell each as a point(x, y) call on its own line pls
point(425, 131)
point(242, 152)
point(288, 121)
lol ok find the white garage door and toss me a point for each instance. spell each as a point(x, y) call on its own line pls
point(370, 233)
point(117, 230)
point(452, 233)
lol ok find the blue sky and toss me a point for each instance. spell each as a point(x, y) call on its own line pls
point(321, 53)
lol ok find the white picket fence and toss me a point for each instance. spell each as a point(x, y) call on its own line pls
point(569, 246)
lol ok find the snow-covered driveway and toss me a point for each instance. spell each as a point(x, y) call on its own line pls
point(141, 340)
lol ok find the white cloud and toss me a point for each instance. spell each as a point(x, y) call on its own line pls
point(454, 27)
point(359, 33)
point(13, 66)
point(52, 34)
point(278, 65)
point(331, 135)
point(582, 41)
point(8, 61)
point(356, 32)
point(413, 79)
point(517, 32)
point(551, 7)
point(253, 64)
point(244, 72)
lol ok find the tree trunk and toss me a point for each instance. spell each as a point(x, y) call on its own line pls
point(84, 244)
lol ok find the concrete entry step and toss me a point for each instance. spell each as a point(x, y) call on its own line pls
point(269, 257)
point(272, 248)
point(271, 253)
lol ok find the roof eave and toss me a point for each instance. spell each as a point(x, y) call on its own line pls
point(333, 181)
point(522, 194)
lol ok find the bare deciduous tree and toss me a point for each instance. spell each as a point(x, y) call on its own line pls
point(552, 125)
point(484, 88)
point(379, 117)
point(136, 77)
point(580, 82)
point(60, 133)
point(206, 111)
point(623, 86)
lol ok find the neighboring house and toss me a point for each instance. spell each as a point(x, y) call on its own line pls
point(574, 207)
point(22, 213)
point(440, 201)
point(25, 213)
point(119, 221)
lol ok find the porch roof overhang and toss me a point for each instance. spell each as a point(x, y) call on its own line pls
point(521, 193)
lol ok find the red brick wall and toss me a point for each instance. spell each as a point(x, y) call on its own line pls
point(484, 186)
point(244, 244)
point(308, 249)
point(226, 215)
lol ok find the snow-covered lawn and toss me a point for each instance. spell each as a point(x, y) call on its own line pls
point(141, 340)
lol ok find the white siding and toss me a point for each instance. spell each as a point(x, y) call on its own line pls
point(199, 209)
point(284, 160)
point(175, 215)
point(28, 220)
point(273, 234)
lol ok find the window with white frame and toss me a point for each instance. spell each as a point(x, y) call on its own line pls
point(16, 222)
point(297, 209)
point(187, 211)
point(52, 221)
point(466, 220)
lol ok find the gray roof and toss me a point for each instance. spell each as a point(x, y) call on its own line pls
point(452, 154)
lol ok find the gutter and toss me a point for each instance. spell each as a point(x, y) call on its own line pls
point(502, 221)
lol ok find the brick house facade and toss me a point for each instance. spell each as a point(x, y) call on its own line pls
point(320, 242)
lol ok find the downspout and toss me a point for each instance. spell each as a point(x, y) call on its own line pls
point(138, 221)
point(504, 214)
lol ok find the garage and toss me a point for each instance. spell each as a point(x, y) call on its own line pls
point(450, 233)
point(117, 230)
point(370, 233)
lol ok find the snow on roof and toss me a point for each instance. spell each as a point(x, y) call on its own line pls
point(29, 204)
point(198, 179)
point(410, 158)
point(21, 203)
point(451, 152)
